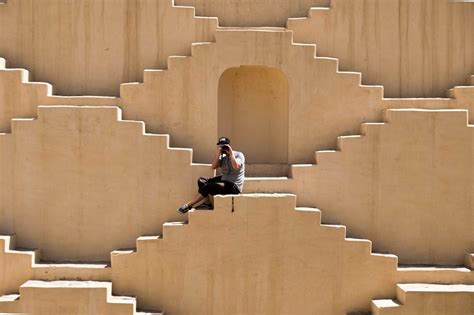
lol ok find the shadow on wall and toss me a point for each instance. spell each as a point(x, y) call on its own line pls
point(253, 112)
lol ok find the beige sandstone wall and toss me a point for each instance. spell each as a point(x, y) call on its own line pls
point(322, 102)
point(414, 48)
point(407, 185)
point(253, 12)
point(178, 103)
point(254, 255)
point(179, 100)
point(183, 101)
point(253, 112)
point(78, 182)
point(20, 265)
point(92, 46)
point(20, 98)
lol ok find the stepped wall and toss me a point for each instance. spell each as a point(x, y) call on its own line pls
point(68, 297)
point(91, 47)
point(78, 183)
point(253, 13)
point(413, 48)
point(417, 48)
point(255, 255)
point(89, 185)
point(184, 101)
point(407, 185)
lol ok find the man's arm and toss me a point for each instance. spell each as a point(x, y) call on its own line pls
point(236, 164)
point(216, 162)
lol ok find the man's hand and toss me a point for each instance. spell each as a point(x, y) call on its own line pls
point(218, 150)
point(229, 152)
point(215, 162)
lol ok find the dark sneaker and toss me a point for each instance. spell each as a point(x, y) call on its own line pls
point(184, 208)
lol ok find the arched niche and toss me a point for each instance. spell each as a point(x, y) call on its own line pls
point(253, 113)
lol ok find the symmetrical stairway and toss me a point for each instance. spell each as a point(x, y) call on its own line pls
point(96, 192)
point(223, 244)
point(199, 221)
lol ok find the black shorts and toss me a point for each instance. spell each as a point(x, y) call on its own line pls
point(216, 186)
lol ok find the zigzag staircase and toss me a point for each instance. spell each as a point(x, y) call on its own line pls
point(283, 184)
point(44, 271)
point(46, 274)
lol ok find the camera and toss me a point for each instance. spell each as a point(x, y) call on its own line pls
point(224, 148)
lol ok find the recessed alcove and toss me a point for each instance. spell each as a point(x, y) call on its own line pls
point(253, 113)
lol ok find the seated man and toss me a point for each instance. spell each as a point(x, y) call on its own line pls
point(232, 164)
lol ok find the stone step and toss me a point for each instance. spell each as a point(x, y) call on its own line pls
point(170, 228)
point(9, 298)
point(266, 170)
point(448, 297)
point(267, 185)
point(54, 297)
point(143, 240)
point(9, 247)
point(149, 313)
point(434, 274)
point(255, 28)
point(385, 304)
point(458, 92)
point(51, 271)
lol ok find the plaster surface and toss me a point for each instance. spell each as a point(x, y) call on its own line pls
point(91, 47)
point(414, 48)
point(410, 178)
point(75, 170)
point(255, 98)
point(78, 183)
point(177, 101)
point(254, 255)
point(417, 48)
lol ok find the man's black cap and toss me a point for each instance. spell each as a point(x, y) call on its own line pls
point(223, 140)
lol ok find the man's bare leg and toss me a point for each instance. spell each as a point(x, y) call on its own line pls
point(198, 198)
point(187, 206)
